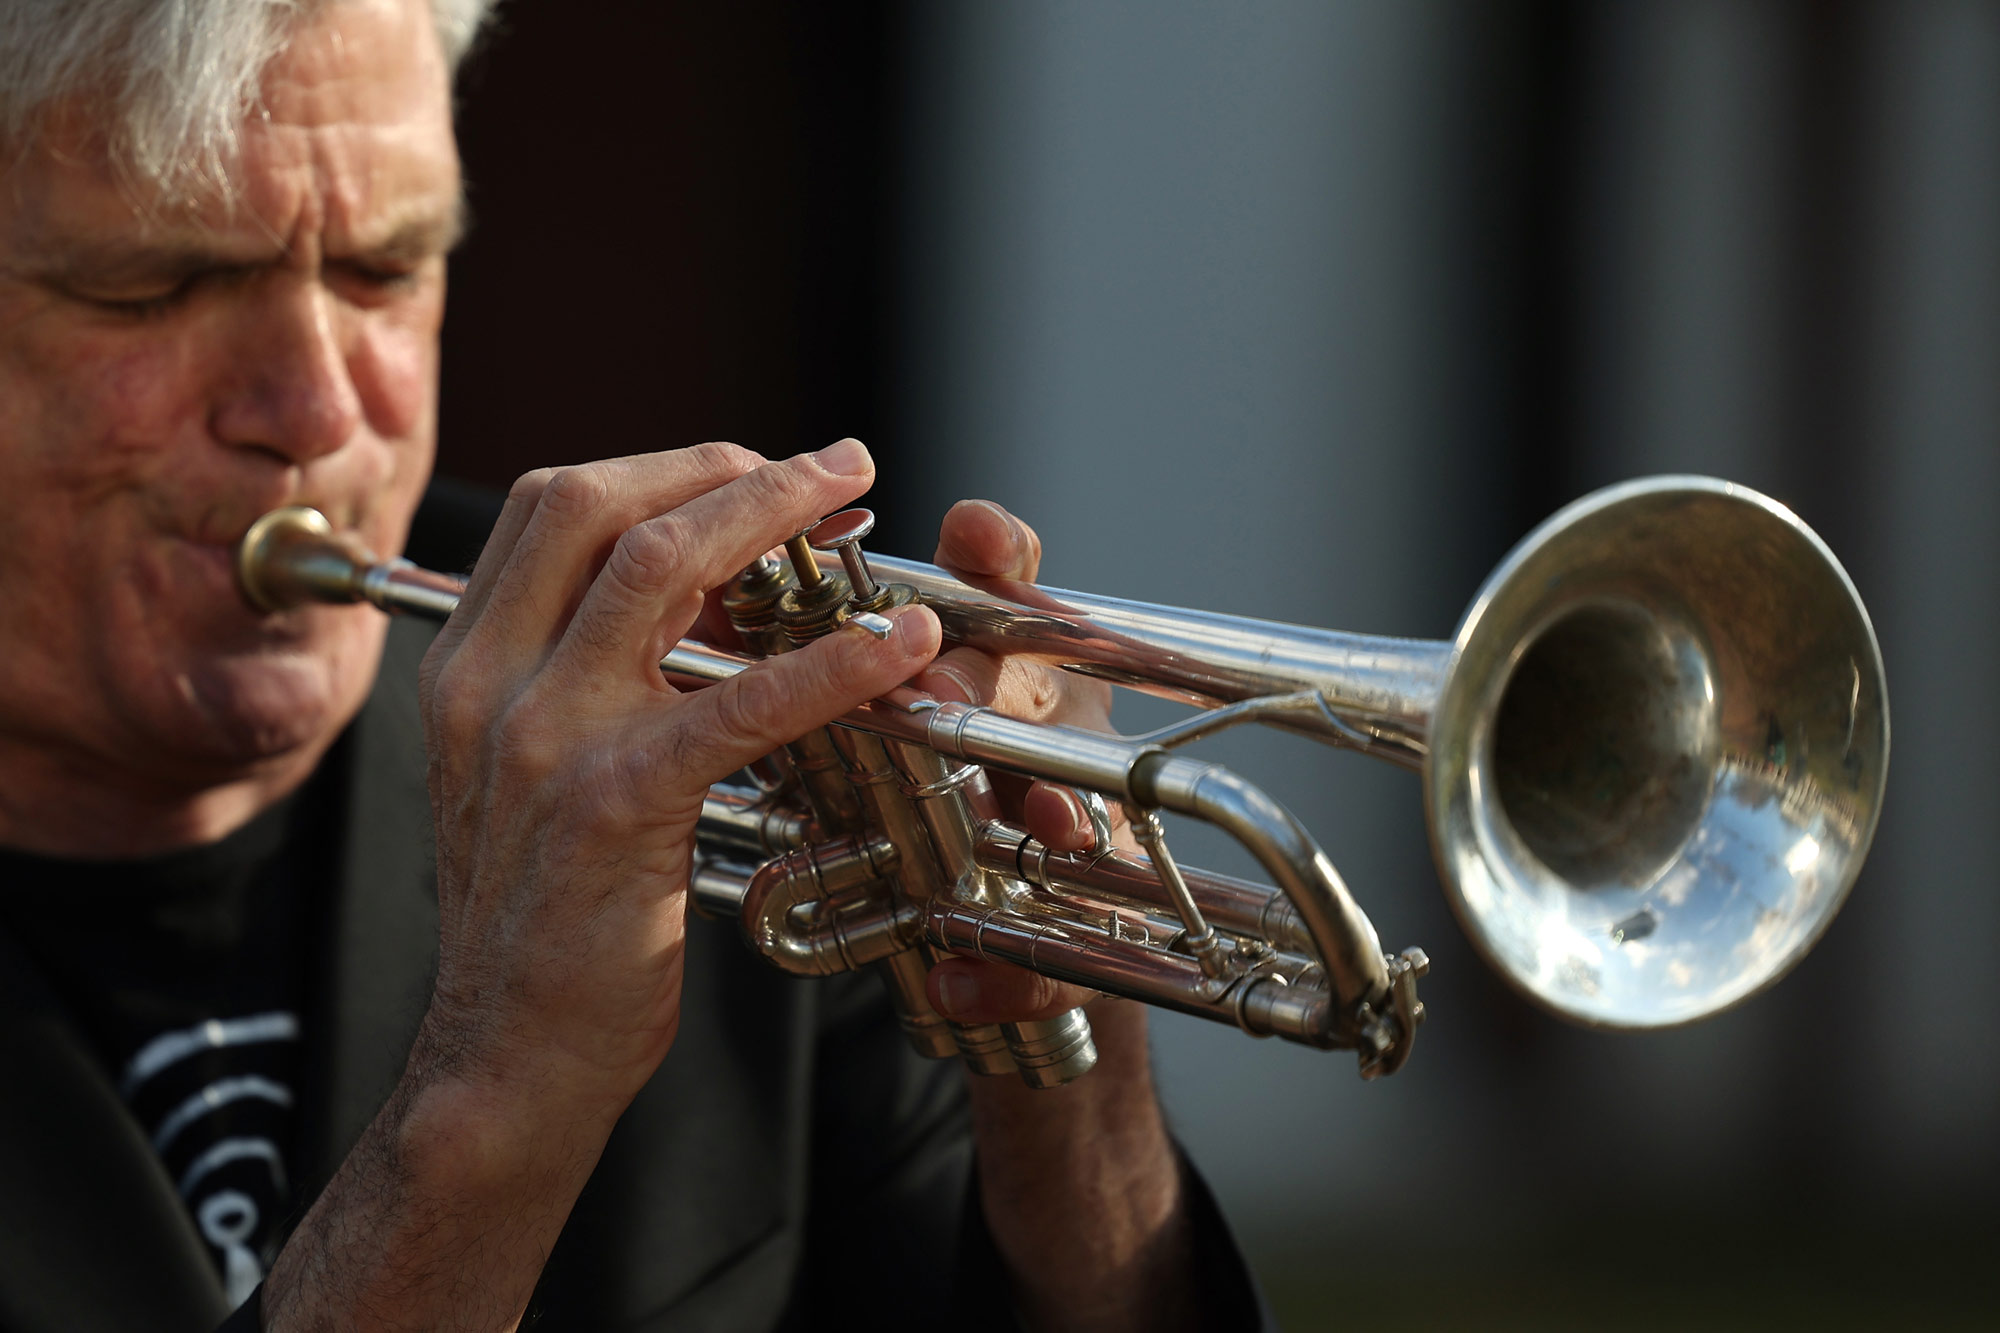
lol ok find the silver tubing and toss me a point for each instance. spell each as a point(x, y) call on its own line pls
point(1047, 1053)
point(1050, 1052)
point(805, 913)
point(1259, 1003)
point(717, 888)
point(1382, 687)
point(402, 587)
point(1199, 937)
point(1343, 938)
point(322, 567)
point(743, 819)
point(1236, 905)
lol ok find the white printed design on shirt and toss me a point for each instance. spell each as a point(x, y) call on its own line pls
point(228, 1218)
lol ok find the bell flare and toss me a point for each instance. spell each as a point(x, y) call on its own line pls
point(1658, 755)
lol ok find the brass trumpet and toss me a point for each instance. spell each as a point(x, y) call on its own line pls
point(1652, 756)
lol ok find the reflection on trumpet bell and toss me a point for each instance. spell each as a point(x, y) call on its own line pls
point(1653, 758)
point(1658, 760)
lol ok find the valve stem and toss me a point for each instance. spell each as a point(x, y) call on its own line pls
point(804, 563)
point(1202, 941)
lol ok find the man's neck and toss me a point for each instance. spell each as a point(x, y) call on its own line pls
point(53, 806)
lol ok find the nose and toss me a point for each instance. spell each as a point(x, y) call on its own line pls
point(289, 392)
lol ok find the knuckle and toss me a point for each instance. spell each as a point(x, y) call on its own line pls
point(528, 487)
point(576, 493)
point(646, 558)
point(744, 712)
point(720, 456)
point(803, 487)
point(456, 715)
point(853, 669)
point(1046, 995)
point(1029, 691)
point(524, 744)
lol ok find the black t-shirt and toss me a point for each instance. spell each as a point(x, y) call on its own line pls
point(185, 974)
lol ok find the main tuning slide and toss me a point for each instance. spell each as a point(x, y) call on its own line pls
point(1652, 759)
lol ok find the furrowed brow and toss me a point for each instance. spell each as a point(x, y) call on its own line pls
point(421, 237)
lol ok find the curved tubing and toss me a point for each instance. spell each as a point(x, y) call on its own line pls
point(830, 935)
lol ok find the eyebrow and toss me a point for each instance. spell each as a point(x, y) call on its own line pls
point(114, 262)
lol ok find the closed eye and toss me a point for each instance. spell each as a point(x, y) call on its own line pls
point(376, 280)
point(156, 298)
point(145, 307)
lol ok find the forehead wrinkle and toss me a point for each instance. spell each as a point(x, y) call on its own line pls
point(327, 165)
point(392, 189)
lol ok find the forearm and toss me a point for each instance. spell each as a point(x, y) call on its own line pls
point(443, 1215)
point(1082, 1193)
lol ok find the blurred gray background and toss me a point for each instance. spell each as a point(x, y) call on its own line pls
point(1308, 311)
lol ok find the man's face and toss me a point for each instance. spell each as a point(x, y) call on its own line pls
point(168, 374)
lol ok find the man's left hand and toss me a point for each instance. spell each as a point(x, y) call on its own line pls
point(1080, 1184)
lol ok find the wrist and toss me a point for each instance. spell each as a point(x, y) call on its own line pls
point(512, 1066)
point(1081, 1187)
point(475, 1139)
point(443, 1213)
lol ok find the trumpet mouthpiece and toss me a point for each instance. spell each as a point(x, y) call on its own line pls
point(292, 556)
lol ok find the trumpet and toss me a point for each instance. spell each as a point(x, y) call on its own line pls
point(1652, 758)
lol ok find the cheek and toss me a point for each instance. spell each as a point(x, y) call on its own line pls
point(394, 364)
point(99, 408)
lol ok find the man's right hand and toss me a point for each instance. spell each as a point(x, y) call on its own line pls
point(566, 778)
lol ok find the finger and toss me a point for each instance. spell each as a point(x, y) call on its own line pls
point(1020, 687)
point(1016, 686)
point(979, 537)
point(633, 488)
point(725, 726)
point(973, 990)
point(1055, 816)
point(649, 590)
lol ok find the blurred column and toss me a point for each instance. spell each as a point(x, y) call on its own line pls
point(1183, 299)
point(1928, 1054)
point(1680, 366)
point(1792, 279)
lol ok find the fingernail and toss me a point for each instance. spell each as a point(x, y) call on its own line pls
point(913, 630)
point(957, 993)
point(846, 458)
point(945, 683)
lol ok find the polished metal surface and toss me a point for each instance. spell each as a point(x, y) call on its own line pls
point(1660, 754)
point(842, 533)
point(1653, 759)
point(292, 558)
point(1381, 687)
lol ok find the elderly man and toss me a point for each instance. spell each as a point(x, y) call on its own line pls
point(238, 997)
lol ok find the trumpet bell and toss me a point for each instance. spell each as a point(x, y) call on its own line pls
point(1658, 754)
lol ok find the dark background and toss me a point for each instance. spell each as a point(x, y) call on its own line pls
point(1308, 311)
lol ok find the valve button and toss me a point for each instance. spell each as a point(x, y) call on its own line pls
point(842, 533)
point(842, 529)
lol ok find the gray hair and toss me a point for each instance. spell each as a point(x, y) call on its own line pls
point(173, 78)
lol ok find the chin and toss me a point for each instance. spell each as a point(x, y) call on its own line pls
point(251, 709)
